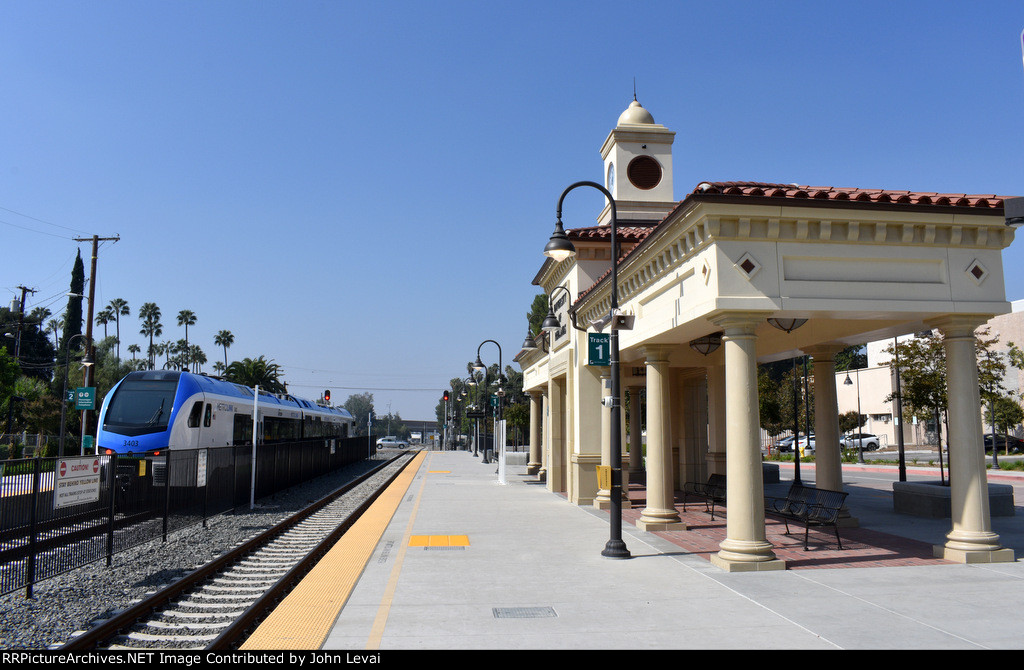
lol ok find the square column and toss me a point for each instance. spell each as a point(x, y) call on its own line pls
point(745, 548)
point(660, 513)
point(971, 540)
point(557, 432)
point(536, 432)
point(636, 456)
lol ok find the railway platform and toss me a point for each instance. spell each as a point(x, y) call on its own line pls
point(451, 559)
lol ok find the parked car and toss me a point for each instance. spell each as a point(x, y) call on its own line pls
point(806, 444)
point(857, 440)
point(785, 444)
point(1015, 444)
point(391, 441)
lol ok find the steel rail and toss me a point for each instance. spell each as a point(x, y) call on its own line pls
point(94, 637)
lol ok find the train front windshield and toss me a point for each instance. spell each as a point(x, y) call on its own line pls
point(141, 406)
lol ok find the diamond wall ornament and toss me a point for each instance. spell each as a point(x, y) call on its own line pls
point(977, 272)
point(748, 265)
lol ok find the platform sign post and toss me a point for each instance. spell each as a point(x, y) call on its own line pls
point(499, 437)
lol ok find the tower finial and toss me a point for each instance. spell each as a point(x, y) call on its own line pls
point(634, 89)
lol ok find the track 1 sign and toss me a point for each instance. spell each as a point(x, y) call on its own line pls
point(77, 481)
point(599, 350)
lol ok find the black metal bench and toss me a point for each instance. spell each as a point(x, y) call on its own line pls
point(711, 492)
point(809, 506)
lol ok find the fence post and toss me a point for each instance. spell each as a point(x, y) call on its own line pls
point(112, 464)
point(167, 489)
point(31, 572)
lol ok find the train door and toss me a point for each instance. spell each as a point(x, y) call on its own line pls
point(195, 418)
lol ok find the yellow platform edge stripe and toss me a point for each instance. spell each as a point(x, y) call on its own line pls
point(305, 617)
point(439, 541)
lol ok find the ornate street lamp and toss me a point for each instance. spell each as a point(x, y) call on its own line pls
point(480, 367)
point(789, 325)
point(558, 249)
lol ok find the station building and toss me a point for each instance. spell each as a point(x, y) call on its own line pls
point(741, 273)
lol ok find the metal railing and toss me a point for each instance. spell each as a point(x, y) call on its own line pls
point(51, 523)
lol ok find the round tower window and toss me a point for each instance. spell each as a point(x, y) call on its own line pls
point(644, 172)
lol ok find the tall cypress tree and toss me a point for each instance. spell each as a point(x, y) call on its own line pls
point(73, 315)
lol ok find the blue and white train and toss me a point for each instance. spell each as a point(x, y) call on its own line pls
point(149, 411)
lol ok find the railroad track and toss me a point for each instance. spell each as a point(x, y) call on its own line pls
point(218, 605)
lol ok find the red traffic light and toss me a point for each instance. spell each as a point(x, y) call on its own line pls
point(327, 395)
point(446, 396)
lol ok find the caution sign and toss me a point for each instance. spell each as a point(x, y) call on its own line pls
point(77, 481)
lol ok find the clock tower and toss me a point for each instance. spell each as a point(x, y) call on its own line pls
point(638, 168)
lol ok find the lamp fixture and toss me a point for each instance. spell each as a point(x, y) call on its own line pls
point(706, 344)
point(787, 325)
point(559, 247)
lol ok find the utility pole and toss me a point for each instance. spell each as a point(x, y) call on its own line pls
point(21, 323)
point(87, 372)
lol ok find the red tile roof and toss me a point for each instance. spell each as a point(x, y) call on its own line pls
point(758, 189)
point(796, 191)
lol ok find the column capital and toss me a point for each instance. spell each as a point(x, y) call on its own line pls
point(656, 352)
point(958, 325)
point(820, 352)
point(739, 322)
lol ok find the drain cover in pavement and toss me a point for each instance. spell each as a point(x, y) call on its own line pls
point(523, 612)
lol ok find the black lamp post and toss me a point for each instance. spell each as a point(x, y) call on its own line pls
point(559, 248)
point(860, 433)
point(86, 362)
point(480, 367)
point(788, 325)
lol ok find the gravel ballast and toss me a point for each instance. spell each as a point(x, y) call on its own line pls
point(75, 600)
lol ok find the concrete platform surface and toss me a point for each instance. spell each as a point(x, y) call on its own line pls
point(467, 562)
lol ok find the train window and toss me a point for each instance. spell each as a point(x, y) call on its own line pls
point(208, 415)
point(193, 416)
point(243, 429)
point(141, 406)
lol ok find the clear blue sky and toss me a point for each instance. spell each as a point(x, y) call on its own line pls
point(361, 191)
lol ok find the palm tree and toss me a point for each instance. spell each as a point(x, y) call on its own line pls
point(134, 349)
point(186, 317)
point(197, 356)
point(119, 307)
point(219, 367)
point(151, 326)
point(56, 325)
point(259, 372)
point(224, 339)
point(104, 317)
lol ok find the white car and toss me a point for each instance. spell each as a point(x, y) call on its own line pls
point(391, 441)
point(857, 440)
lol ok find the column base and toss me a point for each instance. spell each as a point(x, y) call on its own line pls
point(973, 547)
point(652, 526)
point(747, 556)
point(532, 468)
point(730, 565)
point(965, 556)
point(653, 519)
point(604, 501)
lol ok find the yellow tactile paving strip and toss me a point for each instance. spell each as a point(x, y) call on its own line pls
point(439, 541)
point(304, 619)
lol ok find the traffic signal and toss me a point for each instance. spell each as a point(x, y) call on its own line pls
point(446, 396)
point(327, 395)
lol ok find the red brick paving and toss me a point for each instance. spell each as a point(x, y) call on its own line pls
point(862, 547)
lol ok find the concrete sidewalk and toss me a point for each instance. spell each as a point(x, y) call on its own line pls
point(514, 566)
